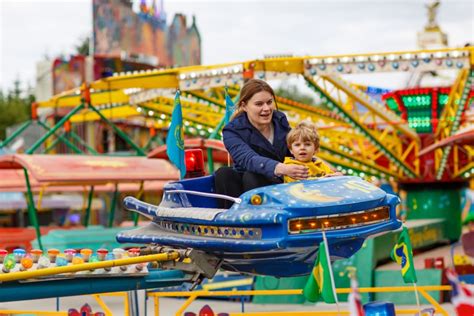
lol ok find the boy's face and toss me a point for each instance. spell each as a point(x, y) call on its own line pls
point(303, 150)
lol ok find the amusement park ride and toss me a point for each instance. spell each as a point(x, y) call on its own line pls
point(420, 138)
point(359, 132)
point(282, 222)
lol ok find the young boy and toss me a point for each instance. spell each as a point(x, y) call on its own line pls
point(303, 142)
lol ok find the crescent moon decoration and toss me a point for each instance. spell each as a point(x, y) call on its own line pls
point(300, 192)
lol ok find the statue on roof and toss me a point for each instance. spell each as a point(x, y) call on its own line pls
point(432, 10)
point(432, 36)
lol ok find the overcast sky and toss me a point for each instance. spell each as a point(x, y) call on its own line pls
point(235, 30)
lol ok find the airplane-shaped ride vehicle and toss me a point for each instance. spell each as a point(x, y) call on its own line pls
point(273, 230)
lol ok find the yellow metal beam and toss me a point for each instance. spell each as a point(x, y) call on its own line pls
point(448, 116)
point(203, 96)
point(468, 167)
point(97, 98)
point(23, 275)
point(102, 305)
point(202, 117)
point(156, 79)
point(31, 312)
point(451, 116)
point(282, 64)
point(170, 78)
point(378, 110)
point(344, 159)
point(120, 112)
point(337, 94)
point(194, 294)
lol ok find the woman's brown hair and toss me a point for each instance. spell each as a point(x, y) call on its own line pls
point(249, 89)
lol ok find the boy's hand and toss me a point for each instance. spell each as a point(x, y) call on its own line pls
point(335, 174)
point(293, 171)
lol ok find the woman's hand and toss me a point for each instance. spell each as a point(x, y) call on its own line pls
point(296, 172)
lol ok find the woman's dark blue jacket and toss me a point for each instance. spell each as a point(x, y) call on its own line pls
point(250, 150)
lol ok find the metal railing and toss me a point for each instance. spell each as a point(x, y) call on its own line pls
point(423, 290)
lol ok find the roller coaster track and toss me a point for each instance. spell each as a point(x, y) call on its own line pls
point(341, 97)
point(450, 118)
point(359, 132)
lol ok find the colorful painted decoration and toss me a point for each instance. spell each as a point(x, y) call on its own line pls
point(61, 260)
point(36, 253)
point(3, 254)
point(85, 310)
point(43, 262)
point(9, 263)
point(206, 310)
point(26, 262)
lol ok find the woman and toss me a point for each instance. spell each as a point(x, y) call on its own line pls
point(256, 140)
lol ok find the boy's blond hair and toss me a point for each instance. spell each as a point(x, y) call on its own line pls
point(306, 131)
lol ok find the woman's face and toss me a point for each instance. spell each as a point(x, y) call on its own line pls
point(260, 108)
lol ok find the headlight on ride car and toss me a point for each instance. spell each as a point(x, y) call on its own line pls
point(338, 221)
point(256, 199)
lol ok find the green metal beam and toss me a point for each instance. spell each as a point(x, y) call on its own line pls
point(62, 138)
point(51, 146)
point(141, 191)
point(83, 143)
point(15, 133)
point(113, 203)
point(203, 97)
point(214, 135)
point(32, 210)
point(124, 136)
point(89, 205)
point(153, 139)
point(359, 127)
point(54, 129)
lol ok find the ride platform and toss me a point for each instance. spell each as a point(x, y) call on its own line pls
point(375, 251)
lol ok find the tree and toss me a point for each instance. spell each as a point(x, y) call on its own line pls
point(15, 107)
point(83, 47)
point(293, 92)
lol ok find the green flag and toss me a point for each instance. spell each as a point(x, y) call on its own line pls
point(319, 285)
point(403, 255)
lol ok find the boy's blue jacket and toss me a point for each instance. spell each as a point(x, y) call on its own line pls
point(250, 150)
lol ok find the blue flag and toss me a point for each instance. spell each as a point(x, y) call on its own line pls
point(175, 138)
point(229, 107)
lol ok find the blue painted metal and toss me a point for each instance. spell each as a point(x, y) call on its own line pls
point(274, 249)
point(201, 184)
point(16, 291)
point(379, 309)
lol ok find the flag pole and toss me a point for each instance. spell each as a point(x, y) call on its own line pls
point(226, 117)
point(330, 272)
point(417, 298)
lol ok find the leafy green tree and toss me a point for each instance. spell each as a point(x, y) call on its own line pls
point(15, 107)
point(293, 92)
point(83, 47)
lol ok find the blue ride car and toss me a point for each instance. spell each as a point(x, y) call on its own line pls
point(273, 230)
